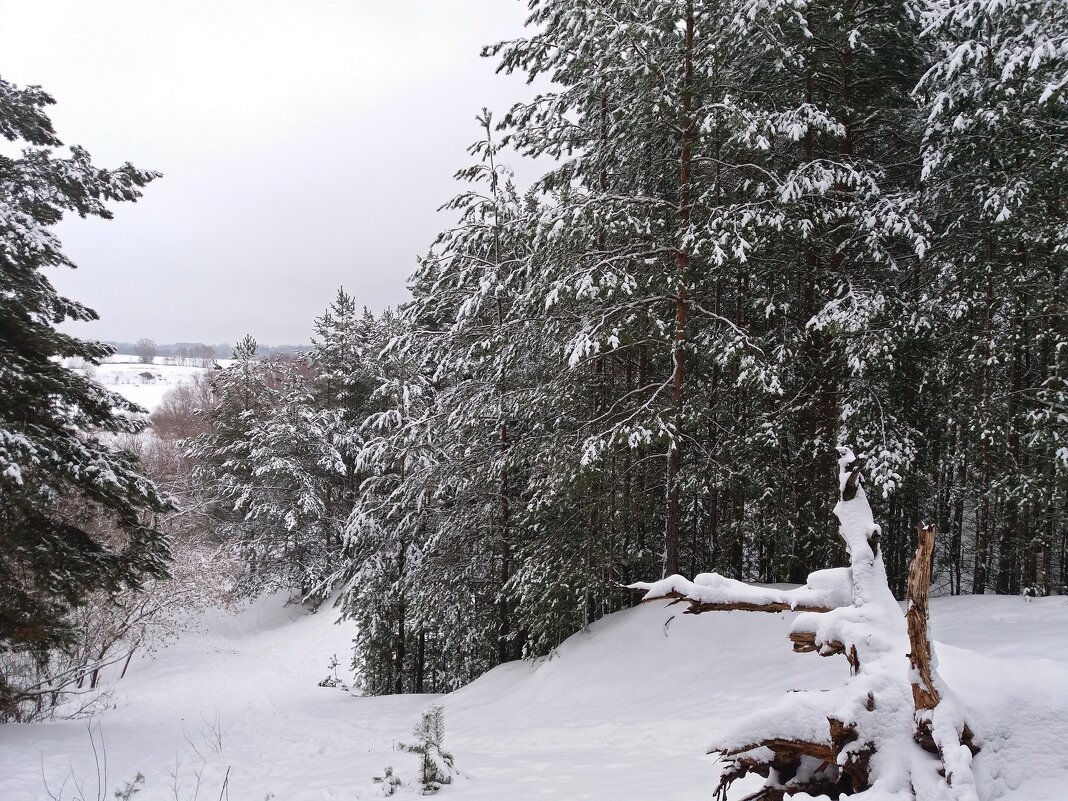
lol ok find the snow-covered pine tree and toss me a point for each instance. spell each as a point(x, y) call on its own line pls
point(344, 376)
point(221, 454)
point(344, 349)
point(387, 524)
point(629, 281)
point(478, 354)
point(435, 763)
point(290, 513)
point(59, 471)
point(821, 141)
point(280, 458)
point(437, 509)
point(995, 161)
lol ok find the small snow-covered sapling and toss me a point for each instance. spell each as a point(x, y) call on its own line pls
point(333, 680)
point(436, 764)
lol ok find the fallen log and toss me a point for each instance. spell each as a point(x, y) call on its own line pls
point(696, 607)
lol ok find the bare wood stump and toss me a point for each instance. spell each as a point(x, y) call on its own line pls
point(924, 693)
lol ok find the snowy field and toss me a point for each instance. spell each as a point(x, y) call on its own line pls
point(622, 712)
point(144, 384)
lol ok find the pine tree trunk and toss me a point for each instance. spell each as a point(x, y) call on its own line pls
point(504, 630)
point(1008, 569)
point(982, 543)
point(398, 675)
point(957, 544)
point(420, 661)
point(674, 457)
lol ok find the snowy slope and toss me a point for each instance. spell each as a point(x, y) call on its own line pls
point(623, 711)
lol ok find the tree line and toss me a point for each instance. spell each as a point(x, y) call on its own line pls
point(769, 230)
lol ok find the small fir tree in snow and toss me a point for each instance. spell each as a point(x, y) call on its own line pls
point(332, 679)
point(436, 764)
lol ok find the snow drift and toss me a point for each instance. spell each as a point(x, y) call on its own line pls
point(624, 710)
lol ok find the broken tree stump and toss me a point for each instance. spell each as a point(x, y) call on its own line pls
point(924, 693)
point(860, 736)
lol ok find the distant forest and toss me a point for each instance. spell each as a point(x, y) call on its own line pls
point(221, 350)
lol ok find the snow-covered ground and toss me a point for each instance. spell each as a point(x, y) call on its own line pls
point(623, 711)
point(144, 384)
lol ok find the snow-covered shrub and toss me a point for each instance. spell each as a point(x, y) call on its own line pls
point(182, 414)
point(390, 783)
point(112, 626)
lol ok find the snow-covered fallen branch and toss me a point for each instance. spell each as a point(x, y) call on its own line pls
point(709, 592)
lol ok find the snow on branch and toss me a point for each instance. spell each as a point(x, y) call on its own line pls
point(711, 592)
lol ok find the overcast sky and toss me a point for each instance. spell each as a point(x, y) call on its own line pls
point(305, 145)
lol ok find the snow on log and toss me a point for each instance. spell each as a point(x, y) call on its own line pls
point(711, 592)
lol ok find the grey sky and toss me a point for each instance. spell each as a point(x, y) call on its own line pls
point(305, 144)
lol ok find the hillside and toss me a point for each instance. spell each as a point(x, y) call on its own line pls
point(621, 712)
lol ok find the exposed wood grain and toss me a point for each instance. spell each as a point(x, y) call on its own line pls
point(924, 692)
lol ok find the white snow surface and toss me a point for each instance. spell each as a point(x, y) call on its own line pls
point(623, 711)
point(144, 384)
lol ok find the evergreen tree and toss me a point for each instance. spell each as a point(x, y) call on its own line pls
point(60, 474)
point(821, 146)
point(274, 470)
point(995, 158)
point(282, 451)
point(343, 378)
point(388, 523)
point(624, 269)
point(291, 523)
point(222, 455)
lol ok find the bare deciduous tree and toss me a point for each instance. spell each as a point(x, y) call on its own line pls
point(146, 350)
point(181, 413)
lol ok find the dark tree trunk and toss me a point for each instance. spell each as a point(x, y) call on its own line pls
point(674, 456)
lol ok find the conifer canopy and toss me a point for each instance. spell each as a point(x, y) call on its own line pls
point(76, 511)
